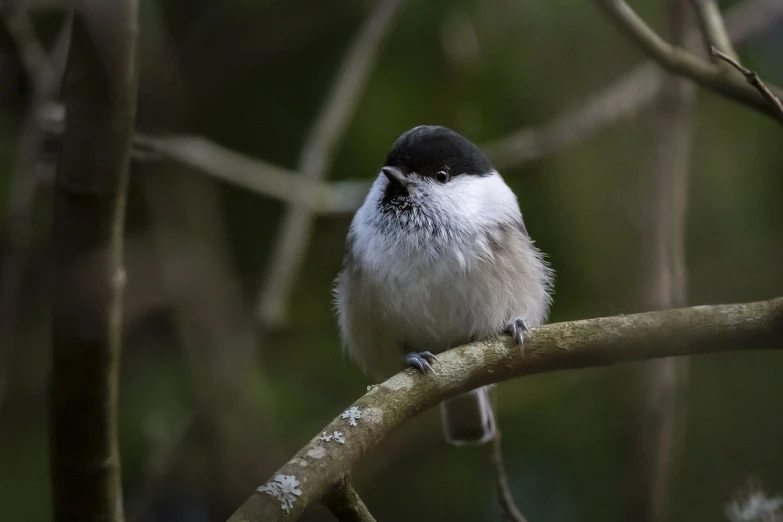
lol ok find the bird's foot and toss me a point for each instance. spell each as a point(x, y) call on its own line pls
point(517, 330)
point(421, 361)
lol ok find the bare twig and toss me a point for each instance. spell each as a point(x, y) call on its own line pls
point(621, 98)
point(89, 214)
point(678, 61)
point(712, 27)
point(315, 158)
point(346, 504)
point(505, 497)
point(29, 173)
point(752, 79)
point(318, 466)
point(663, 276)
point(32, 54)
point(257, 175)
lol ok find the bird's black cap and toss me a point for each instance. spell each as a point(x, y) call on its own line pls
point(426, 149)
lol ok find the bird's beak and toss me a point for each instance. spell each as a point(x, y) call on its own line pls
point(396, 176)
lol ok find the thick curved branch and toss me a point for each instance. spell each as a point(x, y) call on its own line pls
point(679, 61)
point(322, 463)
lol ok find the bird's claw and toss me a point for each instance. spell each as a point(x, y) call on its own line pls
point(421, 361)
point(517, 330)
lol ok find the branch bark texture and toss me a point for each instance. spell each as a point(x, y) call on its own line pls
point(100, 96)
point(321, 464)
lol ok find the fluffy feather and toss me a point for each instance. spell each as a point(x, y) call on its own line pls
point(452, 265)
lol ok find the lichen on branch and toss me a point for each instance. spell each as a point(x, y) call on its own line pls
point(319, 466)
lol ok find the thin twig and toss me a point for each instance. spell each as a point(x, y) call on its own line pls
point(32, 54)
point(712, 27)
point(752, 79)
point(315, 158)
point(345, 503)
point(621, 98)
point(678, 61)
point(319, 465)
point(505, 497)
point(29, 175)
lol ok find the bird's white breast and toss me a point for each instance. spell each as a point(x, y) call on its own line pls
point(431, 278)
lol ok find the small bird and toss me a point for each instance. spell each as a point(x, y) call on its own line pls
point(436, 257)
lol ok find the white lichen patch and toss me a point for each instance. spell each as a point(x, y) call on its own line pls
point(352, 414)
point(316, 453)
point(373, 415)
point(371, 387)
point(336, 436)
point(302, 463)
point(284, 488)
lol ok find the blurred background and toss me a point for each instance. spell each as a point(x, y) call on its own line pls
point(232, 359)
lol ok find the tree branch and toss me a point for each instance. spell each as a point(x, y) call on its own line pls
point(505, 497)
point(662, 277)
point(621, 98)
point(712, 27)
point(315, 158)
point(32, 54)
point(256, 175)
point(752, 79)
point(346, 504)
point(320, 465)
point(89, 214)
point(29, 174)
point(679, 61)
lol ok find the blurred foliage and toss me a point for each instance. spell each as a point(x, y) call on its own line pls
point(251, 76)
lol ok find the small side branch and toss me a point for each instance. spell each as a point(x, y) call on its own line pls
point(752, 79)
point(346, 504)
point(505, 497)
point(315, 159)
point(253, 174)
point(679, 61)
point(712, 27)
point(621, 98)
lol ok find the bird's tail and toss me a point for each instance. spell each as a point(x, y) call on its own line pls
point(468, 418)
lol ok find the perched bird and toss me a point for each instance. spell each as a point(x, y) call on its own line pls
point(438, 256)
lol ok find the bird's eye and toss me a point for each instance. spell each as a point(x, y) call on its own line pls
point(442, 176)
